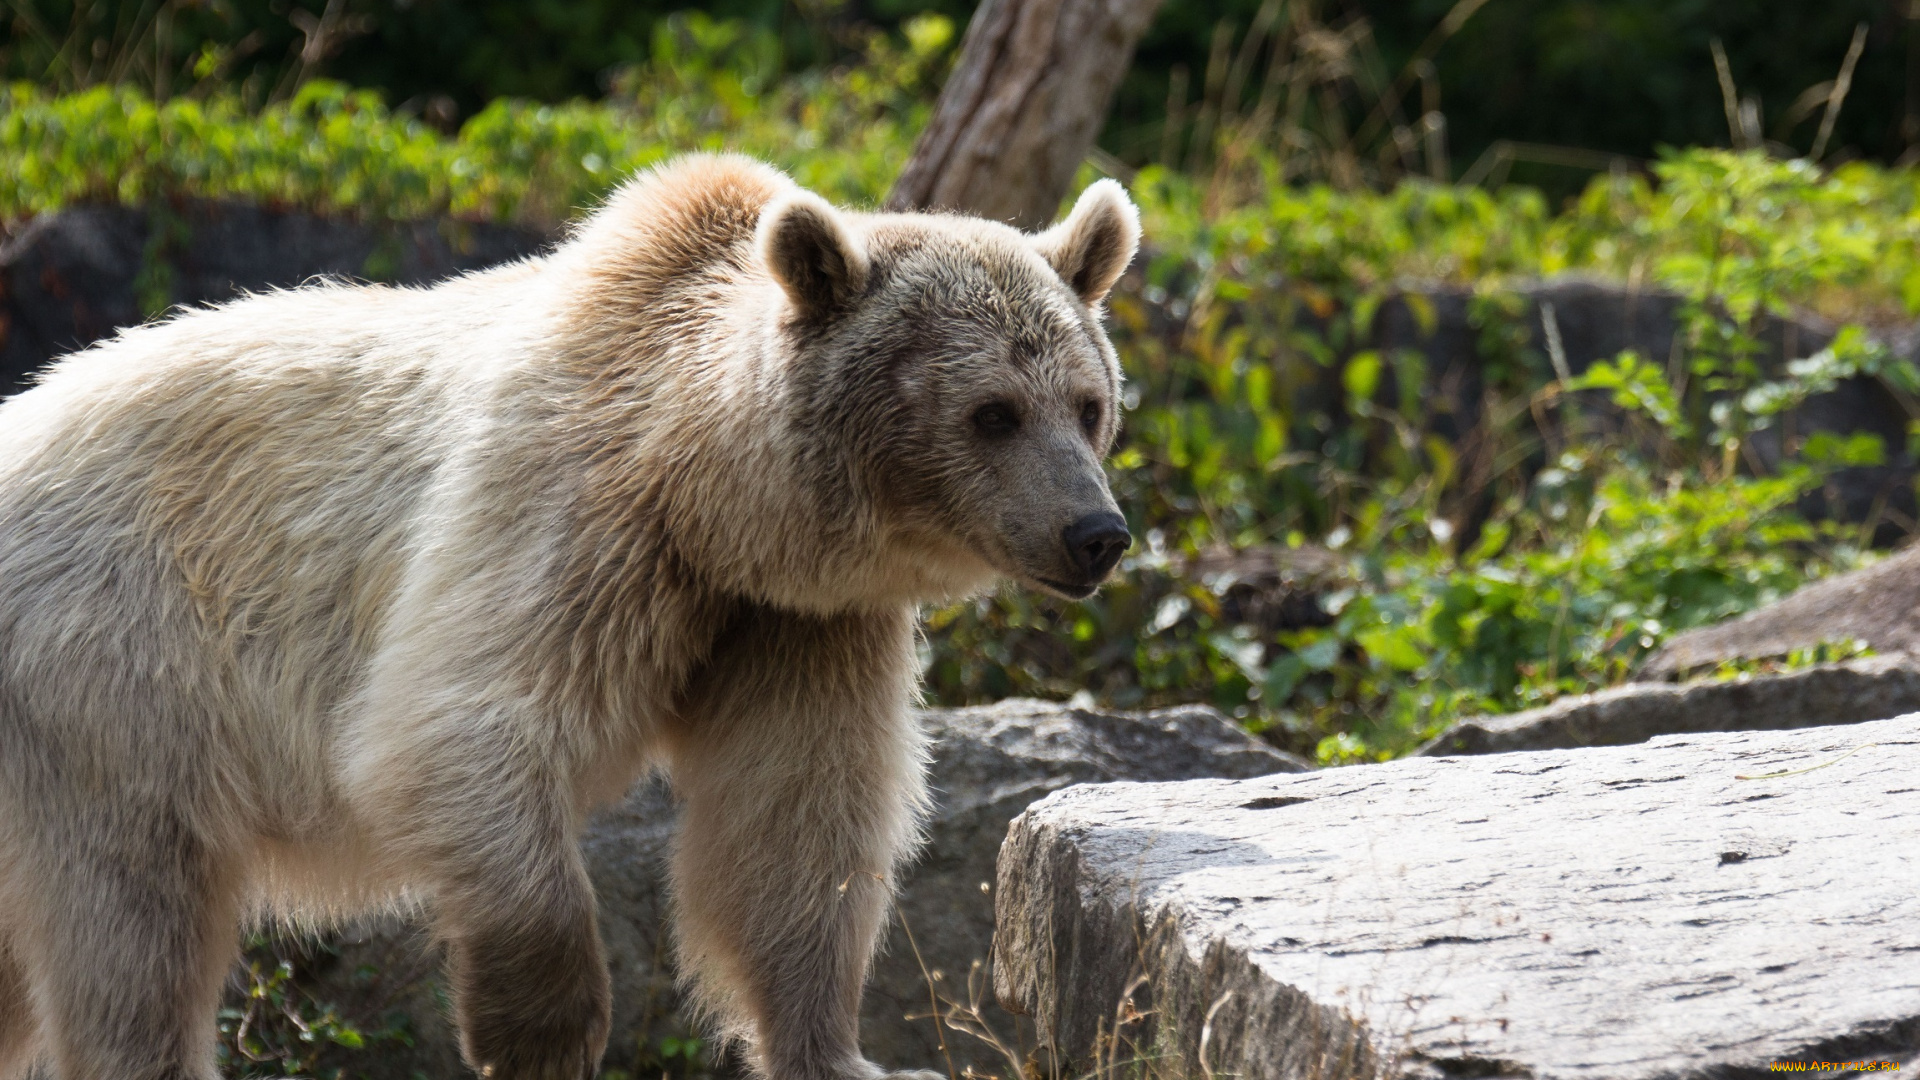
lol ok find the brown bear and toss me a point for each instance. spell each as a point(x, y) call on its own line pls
point(351, 596)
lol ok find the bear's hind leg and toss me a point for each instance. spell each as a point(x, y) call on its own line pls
point(801, 769)
point(133, 936)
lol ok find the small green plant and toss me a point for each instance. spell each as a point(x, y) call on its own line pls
point(685, 1057)
point(278, 1028)
point(1825, 652)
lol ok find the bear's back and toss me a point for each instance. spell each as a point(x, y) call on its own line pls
point(243, 479)
point(260, 464)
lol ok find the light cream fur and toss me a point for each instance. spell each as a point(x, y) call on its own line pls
point(346, 596)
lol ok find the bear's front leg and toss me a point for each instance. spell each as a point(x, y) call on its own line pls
point(514, 905)
point(801, 770)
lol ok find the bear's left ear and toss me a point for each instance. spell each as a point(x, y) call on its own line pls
point(1091, 249)
point(812, 254)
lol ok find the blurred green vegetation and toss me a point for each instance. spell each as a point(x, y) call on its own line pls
point(842, 131)
point(449, 57)
point(1624, 77)
point(1537, 547)
point(1537, 554)
point(1619, 77)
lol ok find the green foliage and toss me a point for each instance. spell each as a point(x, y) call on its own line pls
point(1542, 551)
point(279, 1028)
point(1624, 76)
point(1823, 652)
point(1758, 233)
point(1576, 81)
point(674, 1056)
point(1566, 588)
point(336, 150)
point(446, 58)
point(843, 132)
point(1636, 384)
point(1537, 544)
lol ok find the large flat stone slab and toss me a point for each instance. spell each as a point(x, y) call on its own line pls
point(1873, 688)
point(1620, 912)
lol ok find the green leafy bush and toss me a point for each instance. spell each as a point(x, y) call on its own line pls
point(843, 132)
point(1540, 551)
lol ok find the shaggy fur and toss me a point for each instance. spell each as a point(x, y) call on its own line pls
point(346, 596)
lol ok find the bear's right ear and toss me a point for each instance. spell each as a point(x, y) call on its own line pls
point(812, 254)
point(1092, 247)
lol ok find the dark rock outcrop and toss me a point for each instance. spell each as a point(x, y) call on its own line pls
point(1466, 337)
point(1845, 693)
point(71, 278)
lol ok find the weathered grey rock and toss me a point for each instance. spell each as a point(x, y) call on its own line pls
point(1873, 688)
point(1879, 605)
point(989, 763)
point(1616, 912)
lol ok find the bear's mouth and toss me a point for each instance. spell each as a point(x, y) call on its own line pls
point(1071, 592)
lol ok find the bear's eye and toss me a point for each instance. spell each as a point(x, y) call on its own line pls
point(1090, 415)
point(996, 420)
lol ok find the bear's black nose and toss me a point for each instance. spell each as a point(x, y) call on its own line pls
point(1095, 542)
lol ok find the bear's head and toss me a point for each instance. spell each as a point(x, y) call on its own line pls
point(962, 370)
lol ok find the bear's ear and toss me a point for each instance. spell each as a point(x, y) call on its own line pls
point(812, 254)
point(1091, 249)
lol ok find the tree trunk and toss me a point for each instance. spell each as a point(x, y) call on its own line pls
point(1022, 108)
